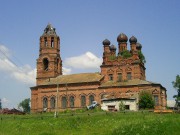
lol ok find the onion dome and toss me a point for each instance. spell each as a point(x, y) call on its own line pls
point(106, 42)
point(112, 47)
point(122, 38)
point(49, 30)
point(133, 40)
point(138, 46)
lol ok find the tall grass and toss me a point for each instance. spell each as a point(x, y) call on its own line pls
point(91, 123)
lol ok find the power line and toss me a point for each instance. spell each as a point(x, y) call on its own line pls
point(8, 57)
point(12, 56)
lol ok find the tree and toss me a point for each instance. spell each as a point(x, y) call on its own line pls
point(141, 57)
point(146, 100)
point(25, 104)
point(176, 85)
point(121, 106)
point(0, 104)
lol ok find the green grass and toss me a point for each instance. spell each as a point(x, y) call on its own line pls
point(96, 123)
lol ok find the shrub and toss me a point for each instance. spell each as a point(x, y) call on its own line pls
point(126, 54)
point(121, 106)
point(141, 57)
point(145, 100)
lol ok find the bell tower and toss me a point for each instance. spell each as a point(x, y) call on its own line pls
point(49, 63)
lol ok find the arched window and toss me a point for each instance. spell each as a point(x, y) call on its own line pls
point(45, 42)
point(64, 102)
point(52, 41)
point(156, 100)
point(71, 100)
point(91, 99)
point(53, 102)
point(102, 96)
point(45, 64)
point(45, 102)
point(83, 101)
point(110, 77)
point(129, 76)
point(119, 79)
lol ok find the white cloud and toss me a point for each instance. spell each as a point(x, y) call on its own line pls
point(84, 61)
point(66, 71)
point(27, 75)
point(171, 103)
point(5, 102)
point(24, 74)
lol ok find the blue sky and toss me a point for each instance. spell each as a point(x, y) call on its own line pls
point(82, 26)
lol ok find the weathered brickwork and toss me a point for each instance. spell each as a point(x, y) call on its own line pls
point(122, 75)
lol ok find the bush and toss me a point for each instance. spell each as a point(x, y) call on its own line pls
point(145, 100)
point(121, 106)
point(141, 57)
point(126, 54)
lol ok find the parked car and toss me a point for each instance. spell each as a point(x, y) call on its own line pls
point(93, 105)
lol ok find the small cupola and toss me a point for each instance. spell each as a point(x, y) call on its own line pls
point(106, 42)
point(133, 40)
point(112, 48)
point(49, 30)
point(138, 46)
point(122, 38)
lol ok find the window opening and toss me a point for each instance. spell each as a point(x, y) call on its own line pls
point(52, 41)
point(64, 102)
point(53, 102)
point(156, 100)
point(83, 101)
point(119, 77)
point(45, 102)
point(91, 99)
point(102, 96)
point(45, 42)
point(129, 76)
point(46, 64)
point(127, 107)
point(110, 77)
point(71, 101)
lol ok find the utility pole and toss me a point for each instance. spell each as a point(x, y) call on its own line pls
point(57, 94)
point(66, 95)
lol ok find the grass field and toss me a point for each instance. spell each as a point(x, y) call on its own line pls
point(91, 123)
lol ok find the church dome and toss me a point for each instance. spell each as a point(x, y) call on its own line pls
point(133, 40)
point(112, 47)
point(106, 42)
point(122, 38)
point(138, 46)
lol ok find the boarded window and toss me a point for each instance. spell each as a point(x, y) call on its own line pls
point(91, 99)
point(129, 76)
point(53, 102)
point(64, 102)
point(71, 101)
point(119, 77)
point(83, 101)
point(45, 102)
point(156, 100)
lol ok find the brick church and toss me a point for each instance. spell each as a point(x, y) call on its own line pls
point(122, 76)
